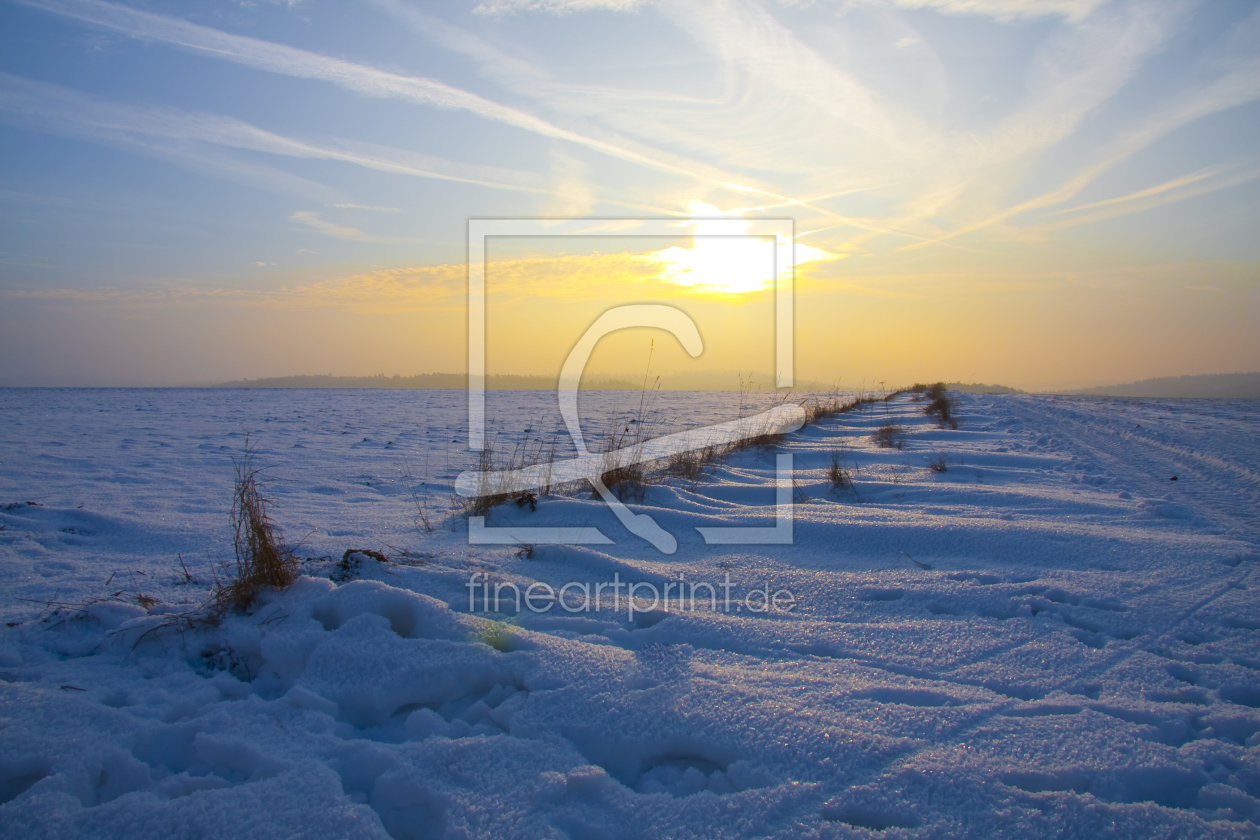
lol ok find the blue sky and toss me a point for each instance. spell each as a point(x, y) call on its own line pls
point(1042, 193)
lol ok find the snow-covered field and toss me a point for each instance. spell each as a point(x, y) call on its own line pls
point(1050, 638)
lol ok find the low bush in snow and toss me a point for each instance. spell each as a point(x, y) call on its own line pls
point(940, 406)
point(890, 436)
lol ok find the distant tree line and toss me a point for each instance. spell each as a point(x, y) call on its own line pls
point(423, 380)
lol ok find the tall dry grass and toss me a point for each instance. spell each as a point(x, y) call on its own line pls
point(262, 559)
point(624, 439)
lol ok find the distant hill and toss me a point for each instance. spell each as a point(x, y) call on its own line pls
point(696, 381)
point(497, 382)
point(720, 380)
point(1209, 386)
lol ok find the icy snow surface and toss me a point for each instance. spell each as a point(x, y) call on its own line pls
point(1050, 638)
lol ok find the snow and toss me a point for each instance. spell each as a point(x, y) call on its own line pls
point(1050, 638)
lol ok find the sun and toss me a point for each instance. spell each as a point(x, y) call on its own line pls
point(725, 259)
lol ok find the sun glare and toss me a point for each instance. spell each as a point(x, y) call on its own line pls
point(725, 259)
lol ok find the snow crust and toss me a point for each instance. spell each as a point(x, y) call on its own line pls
point(1050, 638)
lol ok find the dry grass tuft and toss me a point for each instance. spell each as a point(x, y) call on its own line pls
point(691, 465)
point(495, 488)
point(940, 406)
point(823, 407)
point(421, 500)
point(622, 468)
point(762, 443)
point(262, 561)
point(840, 476)
point(890, 436)
point(938, 465)
point(630, 478)
point(819, 408)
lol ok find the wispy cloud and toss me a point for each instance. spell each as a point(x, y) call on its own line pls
point(1179, 189)
point(306, 218)
point(411, 289)
point(561, 7)
point(155, 133)
point(368, 207)
point(780, 97)
point(188, 139)
point(1239, 84)
point(60, 110)
point(752, 123)
point(572, 195)
point(1174, 184)
point(1076, 71)
point(1002, 10)
point(431, 288)
point(369, 81)
point(773, 101)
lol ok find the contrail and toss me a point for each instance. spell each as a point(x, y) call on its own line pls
point(297, 63)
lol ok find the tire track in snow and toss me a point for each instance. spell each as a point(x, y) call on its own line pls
point(1159, 642)
point(1215, 489)
point(1123, 450)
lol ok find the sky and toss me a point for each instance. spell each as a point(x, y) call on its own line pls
point(1038, 193)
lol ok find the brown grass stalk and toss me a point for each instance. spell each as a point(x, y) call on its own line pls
point(262, 560)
